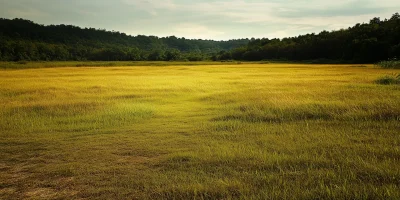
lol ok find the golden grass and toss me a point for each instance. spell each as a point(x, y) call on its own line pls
point(253, 131)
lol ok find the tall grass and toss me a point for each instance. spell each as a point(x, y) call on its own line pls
point(249, 131)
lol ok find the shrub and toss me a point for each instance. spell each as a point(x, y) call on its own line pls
point(389, 80)
point(22, 62)
point(390, 64)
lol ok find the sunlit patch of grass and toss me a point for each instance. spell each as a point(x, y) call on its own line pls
point(71, 117)
point(53, 64)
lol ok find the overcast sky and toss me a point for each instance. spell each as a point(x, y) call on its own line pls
point(206, 19)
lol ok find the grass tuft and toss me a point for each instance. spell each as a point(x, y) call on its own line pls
point(389, 80)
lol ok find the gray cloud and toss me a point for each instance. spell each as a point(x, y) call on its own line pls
point(351, 8)
point(208, 19)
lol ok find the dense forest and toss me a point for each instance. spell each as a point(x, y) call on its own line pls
point(363, 43)
point(25, 40)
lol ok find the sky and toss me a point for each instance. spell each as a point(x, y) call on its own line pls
point(203, 19)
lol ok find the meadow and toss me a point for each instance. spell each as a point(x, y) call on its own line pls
point(226, 131)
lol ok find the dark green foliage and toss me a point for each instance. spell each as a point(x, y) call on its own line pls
point(172, 54)
point(390, 64)
point(389, 80)
point(363, 43)
point(24, 40)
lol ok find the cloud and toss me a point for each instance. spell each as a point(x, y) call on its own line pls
point(344, 8)
point(196, 31)
point(87, 13)
point(261, 12)
point(150, 6)
point(222, 19)
point(27, 13)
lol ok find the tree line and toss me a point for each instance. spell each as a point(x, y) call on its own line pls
point(22, 39)
point(363, 43)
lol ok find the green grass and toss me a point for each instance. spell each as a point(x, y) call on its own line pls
point(248, 131)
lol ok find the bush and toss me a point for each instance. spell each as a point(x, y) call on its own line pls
point(22, 62)
point(389, 80)
point(390, 64)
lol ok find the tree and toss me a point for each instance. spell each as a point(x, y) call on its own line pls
point(172, 54)
point(156, 55)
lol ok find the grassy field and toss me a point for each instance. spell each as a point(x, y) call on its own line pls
point(50, 64)
point(248, 131)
